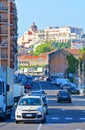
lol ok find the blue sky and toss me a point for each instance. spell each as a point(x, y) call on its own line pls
point(47, 13)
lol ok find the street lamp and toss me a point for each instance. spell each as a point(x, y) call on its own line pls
point(15, 62)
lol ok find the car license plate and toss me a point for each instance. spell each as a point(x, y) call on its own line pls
point(64, 96)
point(28, 115)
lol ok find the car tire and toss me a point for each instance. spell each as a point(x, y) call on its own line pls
point(70, 101)
point(17, 121)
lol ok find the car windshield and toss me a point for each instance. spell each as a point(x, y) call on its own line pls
point(30, 101)
point(64, 94)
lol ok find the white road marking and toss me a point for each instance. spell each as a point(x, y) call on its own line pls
point(55, 118)
point(82, 118)
point(80, 108)
point(39, 127)
point(68, 118)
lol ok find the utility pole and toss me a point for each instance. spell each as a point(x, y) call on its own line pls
point(9, 33)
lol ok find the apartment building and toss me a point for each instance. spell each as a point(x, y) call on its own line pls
point(58, 34)
point(78, 43)
point(63, 34)
point(8, 33)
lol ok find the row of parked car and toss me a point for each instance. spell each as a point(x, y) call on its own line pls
point(64, 83)
point(32, 107)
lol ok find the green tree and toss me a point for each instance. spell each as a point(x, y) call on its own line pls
point(82, 58)
point(72, 64)
point(44, 47)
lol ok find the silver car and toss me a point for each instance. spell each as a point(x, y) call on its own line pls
point(30, 109)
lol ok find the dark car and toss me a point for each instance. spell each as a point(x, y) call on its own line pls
point(73, 90)
point(63, 95)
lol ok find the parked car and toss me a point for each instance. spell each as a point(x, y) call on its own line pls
point(30, 108)
point(63, 95)
point(73, 90)
point(67, 85)
point(60, 81)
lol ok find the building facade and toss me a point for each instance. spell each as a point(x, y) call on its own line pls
point(58, 63)
point(58, 34)
point(78, 43)
point(8, 33)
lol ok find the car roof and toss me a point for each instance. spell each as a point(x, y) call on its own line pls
point(29, 96)
point(63, 91)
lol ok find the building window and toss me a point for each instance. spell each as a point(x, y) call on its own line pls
point(0, 5)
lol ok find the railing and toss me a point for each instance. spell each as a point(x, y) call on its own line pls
point(3, 32)
point(3, 56)
point(3, 8)
point(3, 20)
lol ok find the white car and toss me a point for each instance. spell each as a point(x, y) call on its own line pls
point(30, 108)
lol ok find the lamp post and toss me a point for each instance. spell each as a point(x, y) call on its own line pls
point(16, 60)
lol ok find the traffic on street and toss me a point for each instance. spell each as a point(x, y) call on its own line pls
point(61, 115)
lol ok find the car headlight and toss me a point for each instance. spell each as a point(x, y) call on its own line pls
point(18, 111)
point(39, 110)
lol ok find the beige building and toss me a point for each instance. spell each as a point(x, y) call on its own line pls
point(8, 33)
point(58, 34)
point(63, 34)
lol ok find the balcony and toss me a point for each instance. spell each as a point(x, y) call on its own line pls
point(4, 33)
point(3, 20)
point(3, 9)
point(3, 56)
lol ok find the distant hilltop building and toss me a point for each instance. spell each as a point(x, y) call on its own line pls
point(78, 43)
point(33, 28)
point(58, 34)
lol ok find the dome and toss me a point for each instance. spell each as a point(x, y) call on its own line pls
point(33, 27)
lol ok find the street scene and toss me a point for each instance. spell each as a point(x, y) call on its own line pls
point(42, 65)
point(60, 115)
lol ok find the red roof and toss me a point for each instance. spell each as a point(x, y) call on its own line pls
point(32, 57)
point(73, 51)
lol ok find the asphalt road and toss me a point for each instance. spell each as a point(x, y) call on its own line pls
point(61, 116)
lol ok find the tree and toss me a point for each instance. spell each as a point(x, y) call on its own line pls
point(82, 57)
point(44, 47)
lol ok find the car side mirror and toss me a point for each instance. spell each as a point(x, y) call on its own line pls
point(7, 87)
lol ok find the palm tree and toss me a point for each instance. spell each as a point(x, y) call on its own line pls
point(82, 57)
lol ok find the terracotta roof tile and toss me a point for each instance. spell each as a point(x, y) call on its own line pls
point(73, 51)
point(32, 57)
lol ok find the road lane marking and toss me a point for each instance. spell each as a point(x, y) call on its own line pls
point(55, 118)
point(82, 118)
point(39, 127)
point(68, 118)
point(80, 108)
